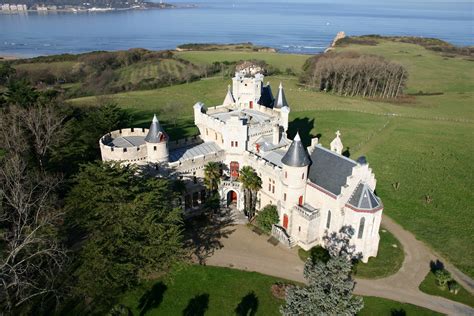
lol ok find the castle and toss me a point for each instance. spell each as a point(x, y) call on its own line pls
point(316, 190)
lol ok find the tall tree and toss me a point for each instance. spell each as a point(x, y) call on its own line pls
point(330, 283)
point(130, 227)
point(32, 256)
point(252, 184)
point(212, 176)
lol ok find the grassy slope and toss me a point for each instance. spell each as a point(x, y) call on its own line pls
point(218, 291)
point(280, 61)
point(429, 286)
point(425, 145)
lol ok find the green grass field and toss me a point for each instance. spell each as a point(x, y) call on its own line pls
point(424, 144)
point(219, 291)
point(429, 286)
point(388, 261)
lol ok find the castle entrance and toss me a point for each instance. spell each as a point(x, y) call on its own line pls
point(231, 198)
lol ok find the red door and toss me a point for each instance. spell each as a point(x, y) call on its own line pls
point(300, 201)
point(285, 221)
point(234, 196)
point(251, 104)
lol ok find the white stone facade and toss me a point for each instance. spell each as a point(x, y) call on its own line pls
point(313, 198)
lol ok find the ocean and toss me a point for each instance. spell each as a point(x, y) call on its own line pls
point(299, 26)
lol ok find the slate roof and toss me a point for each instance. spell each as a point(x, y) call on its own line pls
point(155, 132)
point(190, 152)
point(280, 100)
point(266, 97)
point(329, 170)
point(297, 155)
point(127, 141)
point(364, 198)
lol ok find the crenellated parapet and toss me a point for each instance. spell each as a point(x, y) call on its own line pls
point(128, 153)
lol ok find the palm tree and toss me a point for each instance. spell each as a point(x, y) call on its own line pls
point(212, 176)
point(252, 184)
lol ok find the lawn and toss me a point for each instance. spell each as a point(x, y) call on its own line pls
point(424, 143)
point(205, 290)
point(375, 306)
point(388, 261)
point(429, 286)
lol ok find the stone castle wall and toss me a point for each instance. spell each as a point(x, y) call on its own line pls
point(137, 154)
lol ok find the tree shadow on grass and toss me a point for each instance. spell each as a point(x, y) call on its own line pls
point(197, 306)
point(398, 312)
point(152, 298)
point(303, 126)
point(248, 305)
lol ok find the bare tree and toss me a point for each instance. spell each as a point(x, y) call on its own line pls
point(32, 256)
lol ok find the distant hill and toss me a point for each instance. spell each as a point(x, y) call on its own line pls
point(90, 3)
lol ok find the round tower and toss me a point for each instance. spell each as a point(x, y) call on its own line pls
point(295, 173)
point(156, 143)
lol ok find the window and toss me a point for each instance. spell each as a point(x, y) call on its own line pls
point(207, 131)
point(302, 176)
point(284, 196)
point(273, 189)
point(361, 228)
point(286, 174)
point(299, 229)
point(138, 148)
point(125, 150)
point(154, 148)
point(236, 144)
point(132, 129)
point(232, 144)
point(269, 187)
point(328, 222)
point(112, 148)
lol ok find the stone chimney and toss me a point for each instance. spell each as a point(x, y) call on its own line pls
point(276, 134)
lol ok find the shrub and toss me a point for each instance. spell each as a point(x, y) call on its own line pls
point(454, 287)
point(442, 278)
point(267, 217)
point(279, 290)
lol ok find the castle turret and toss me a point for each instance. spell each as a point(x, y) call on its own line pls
point(295, 171)
point(284, 117)
point(280, 100)
point(229, 98)
point(157, 143)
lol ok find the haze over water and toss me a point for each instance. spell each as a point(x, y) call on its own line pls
point(300, 26)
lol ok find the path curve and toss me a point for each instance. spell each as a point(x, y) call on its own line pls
point(245, 250)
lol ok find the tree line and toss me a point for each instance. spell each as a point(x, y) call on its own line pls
point(354, 74)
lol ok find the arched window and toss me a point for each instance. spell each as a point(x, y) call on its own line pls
point(328, 222)
point(361, 228)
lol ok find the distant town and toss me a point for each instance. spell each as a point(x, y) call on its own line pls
point(73, 7)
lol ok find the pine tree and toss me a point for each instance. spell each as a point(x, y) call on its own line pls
point(130, 228)
point(330, 284)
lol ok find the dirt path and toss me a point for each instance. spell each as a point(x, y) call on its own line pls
point(245, 250)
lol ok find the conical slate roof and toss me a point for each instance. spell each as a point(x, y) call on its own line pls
point(280, 100)
point(229, 98)
point(364, 198)
point(155, 132)
point(297, 155)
